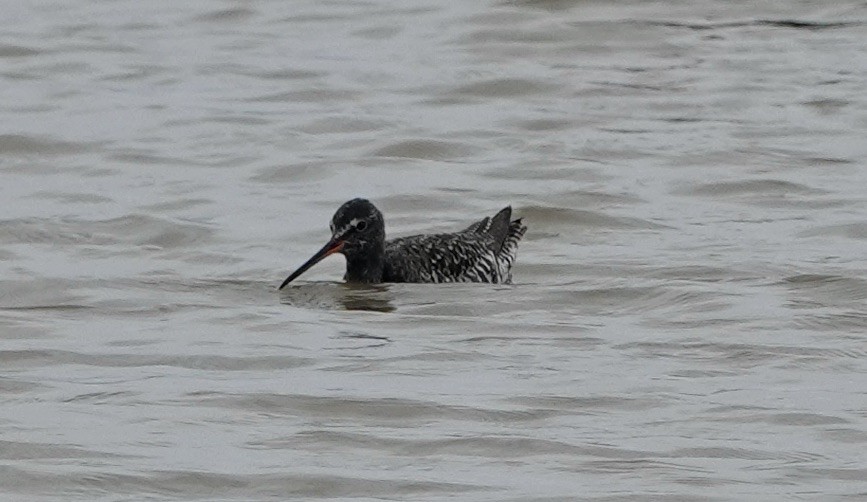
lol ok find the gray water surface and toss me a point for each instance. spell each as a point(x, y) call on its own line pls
point(688, 316)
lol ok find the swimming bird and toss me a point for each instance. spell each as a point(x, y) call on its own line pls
point(482, 252)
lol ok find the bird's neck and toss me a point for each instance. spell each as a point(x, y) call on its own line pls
point(367, 267)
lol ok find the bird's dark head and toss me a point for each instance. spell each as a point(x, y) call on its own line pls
point(358, 232)
point(359, 226)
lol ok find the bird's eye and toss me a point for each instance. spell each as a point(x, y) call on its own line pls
point(361, 225)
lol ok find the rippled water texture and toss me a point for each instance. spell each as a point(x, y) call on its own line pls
point(688, 316)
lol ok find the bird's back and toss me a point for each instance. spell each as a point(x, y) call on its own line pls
point(483, 252)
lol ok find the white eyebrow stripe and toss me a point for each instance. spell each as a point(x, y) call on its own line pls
point(351, 225)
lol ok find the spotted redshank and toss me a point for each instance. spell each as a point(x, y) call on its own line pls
point(483, 252)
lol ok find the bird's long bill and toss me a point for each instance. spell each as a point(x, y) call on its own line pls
point(333, 246)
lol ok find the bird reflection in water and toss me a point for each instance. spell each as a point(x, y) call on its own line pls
point(340, 296)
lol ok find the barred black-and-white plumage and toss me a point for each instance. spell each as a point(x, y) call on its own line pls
point(483, 252)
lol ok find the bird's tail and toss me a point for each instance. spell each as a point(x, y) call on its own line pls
point(509, 250)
